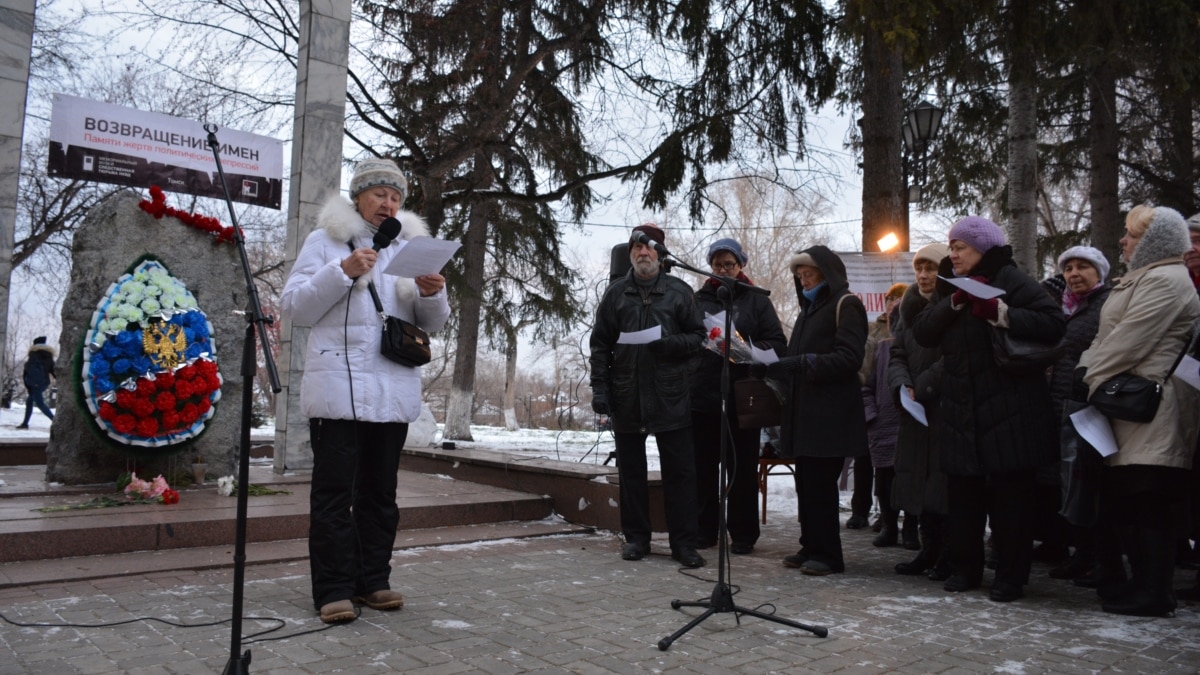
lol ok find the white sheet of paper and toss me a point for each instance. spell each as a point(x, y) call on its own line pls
point(913, 408)
point(421, 256)
point(1095, 428)
point(715, 320)
point(640, 337)
point(975, 288)
point(767, 356)
point(1189, 371)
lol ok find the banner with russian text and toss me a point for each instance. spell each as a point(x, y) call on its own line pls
point(106, 143)
point(871, 275)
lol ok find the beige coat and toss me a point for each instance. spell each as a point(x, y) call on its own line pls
point(1143, 327)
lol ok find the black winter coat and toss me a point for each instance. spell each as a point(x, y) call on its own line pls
point(920, 484)
point(647, 392)
point(38, 368)
point(823, 415)
point(755, 319)
point(1081, 330)
point(992, 420)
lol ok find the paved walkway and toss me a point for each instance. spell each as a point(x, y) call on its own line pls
point(569, 604)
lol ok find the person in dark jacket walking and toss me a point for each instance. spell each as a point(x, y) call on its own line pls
point(1085, 271)
point(823, 417)
point(754, 318)
point(996, 425)
point(916, 372)
point(645, 389)
point(39, 368)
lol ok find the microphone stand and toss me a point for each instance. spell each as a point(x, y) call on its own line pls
point(721, 600)
point(255, 320)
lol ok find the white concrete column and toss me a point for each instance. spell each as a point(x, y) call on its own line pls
point(320, 120)
point(16, 43)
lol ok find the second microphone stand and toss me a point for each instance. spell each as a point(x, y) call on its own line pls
point(721, 600)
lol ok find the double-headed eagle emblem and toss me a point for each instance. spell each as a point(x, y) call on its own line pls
point(165, 344)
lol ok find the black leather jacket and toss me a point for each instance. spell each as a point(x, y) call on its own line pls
point(647, 392)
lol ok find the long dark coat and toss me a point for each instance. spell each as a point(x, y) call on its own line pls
point(823, 414)
point(992, 420)
point(920, 484)
point(1081, 330)
point(755, 319)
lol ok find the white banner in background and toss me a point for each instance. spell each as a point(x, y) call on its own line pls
point(872, 274)
point(106, 143)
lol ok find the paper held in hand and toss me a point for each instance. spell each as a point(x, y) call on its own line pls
point(975, 288)
point(421, 256)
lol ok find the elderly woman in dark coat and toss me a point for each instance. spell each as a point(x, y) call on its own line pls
point(755, 319)
point(915, 371)
point(996, 425)
point(823, 417)
point(1144, 327)
point(1085, 270)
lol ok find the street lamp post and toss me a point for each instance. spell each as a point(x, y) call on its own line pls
point(920, 127)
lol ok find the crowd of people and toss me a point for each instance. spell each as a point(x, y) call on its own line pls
point(980, 479)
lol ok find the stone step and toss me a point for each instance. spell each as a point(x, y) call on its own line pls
point(204, 518)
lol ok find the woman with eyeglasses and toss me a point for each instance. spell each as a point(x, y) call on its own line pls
point(754, 318)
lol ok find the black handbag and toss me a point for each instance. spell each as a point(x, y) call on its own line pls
point(756, 403)
point(403, 342)
point(1130, 397)
point(1013, 353)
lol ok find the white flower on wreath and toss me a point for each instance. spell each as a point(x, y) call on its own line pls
point(225, 485)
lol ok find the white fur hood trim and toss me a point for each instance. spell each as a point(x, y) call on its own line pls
point(341, 222)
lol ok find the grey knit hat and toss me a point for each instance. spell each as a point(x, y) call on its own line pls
point(1088, 254)
point(375, 172)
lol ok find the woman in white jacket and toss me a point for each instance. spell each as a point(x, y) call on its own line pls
point(358, 403)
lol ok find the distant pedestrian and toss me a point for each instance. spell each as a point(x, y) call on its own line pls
point(39, 368)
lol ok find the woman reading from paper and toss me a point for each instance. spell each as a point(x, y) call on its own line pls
point(359, 404)
point(995, 425)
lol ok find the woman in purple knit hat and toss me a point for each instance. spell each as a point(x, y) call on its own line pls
point(996, 425)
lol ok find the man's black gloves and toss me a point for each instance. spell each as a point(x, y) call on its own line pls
point(600, 402)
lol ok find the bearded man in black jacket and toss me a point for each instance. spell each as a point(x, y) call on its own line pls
point(645, 389)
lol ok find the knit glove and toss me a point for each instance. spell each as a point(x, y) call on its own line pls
point(988, 310)
point(790, 365)
point(600, 402)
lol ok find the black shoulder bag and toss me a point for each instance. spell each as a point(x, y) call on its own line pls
point(402, 342)
point(1130, 397)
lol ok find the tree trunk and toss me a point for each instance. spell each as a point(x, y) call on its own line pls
point(1022, 159)
point(510, 380)
point(462, 387)
point(1105, 138)
point(884, 204)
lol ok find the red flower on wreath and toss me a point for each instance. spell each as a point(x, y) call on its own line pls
point(169, 403)
point(170, 497)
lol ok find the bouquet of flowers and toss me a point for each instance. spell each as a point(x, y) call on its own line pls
point(739, 350)
point(145, 491)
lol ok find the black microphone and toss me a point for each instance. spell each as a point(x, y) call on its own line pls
point(645, 240)
point(388, 230)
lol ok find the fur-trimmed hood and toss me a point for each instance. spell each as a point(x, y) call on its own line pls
point(43, 348)
point(1166, 237)
point(342, 222)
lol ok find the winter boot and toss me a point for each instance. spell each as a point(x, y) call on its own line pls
point(889, 534)
point(931, 547)
point(1150, 592)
